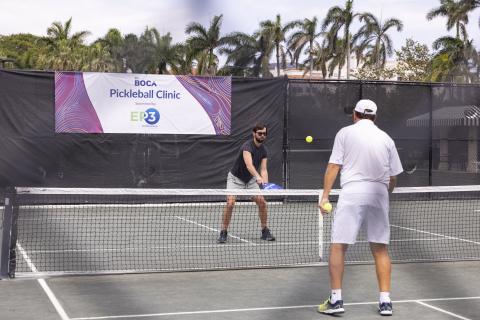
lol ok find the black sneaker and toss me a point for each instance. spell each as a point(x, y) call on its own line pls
point(385, 308)
point(266, 235)
point(223, 237)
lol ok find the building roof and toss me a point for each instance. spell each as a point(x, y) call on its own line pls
point(463, 116)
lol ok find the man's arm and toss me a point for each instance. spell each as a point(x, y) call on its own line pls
point(247, 157)
point(330, 177)
point(263, 170)
point(392, 183)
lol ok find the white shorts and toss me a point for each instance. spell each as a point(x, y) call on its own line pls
point(362, 204)
point(236, 183)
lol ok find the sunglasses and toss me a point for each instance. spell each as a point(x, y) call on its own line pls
point(261, 133)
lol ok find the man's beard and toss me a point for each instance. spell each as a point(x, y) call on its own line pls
point(259, 141)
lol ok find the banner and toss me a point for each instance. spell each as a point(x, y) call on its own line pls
point(136, 103)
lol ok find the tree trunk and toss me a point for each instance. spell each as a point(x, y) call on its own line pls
point(347, 37)
point(377, 48)
point(278, 60)
point(209, 65)
point(311, 58)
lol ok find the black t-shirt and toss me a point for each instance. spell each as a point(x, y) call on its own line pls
point(239, 168)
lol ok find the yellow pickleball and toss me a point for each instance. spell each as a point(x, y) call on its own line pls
point(309, 139)
point(327, 207)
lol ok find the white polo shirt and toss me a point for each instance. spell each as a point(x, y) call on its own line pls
point(366, 154)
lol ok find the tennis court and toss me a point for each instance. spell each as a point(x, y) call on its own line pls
point(447, 290)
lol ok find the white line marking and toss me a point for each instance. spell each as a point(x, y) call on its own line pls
point(44, 285)
point(215, 230)
point(436, 234)
point(442, 310)
point(408, 240)
point(260, 309)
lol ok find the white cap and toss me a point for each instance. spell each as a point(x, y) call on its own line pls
point(366, 106)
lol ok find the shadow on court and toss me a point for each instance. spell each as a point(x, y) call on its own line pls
point(420, 291)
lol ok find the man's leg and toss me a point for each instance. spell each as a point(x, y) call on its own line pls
point(262, 210)
point(336, 264)
point(262, 214)
point(227, 216)
point(334, 304)
point(383, 265)
point(383, 268)
point(227, 212)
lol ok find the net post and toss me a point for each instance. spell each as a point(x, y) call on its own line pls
point(320, 228)
point(8, 236)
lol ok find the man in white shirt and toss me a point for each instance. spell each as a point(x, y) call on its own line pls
point(368, 163)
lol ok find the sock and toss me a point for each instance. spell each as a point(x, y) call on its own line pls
point(336, 295)
point(384, 297)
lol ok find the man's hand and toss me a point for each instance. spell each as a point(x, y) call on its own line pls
point(260, 181)
point(320, 206)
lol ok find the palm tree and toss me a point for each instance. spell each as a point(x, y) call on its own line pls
point(303, 40)
point(373, 37)
point(470, 5)
point(64, 51)
point(247, 55)
point(336, 57)
point(453, 59)
point(203, 42)
point(274, 32)
point(59, 32)
point(97, 58)
point(133, 54)
point(185, 60)
point(320, 55)
point(113, 41)
point(337, 18)
point(241, 50)
point(455, 12)
point(162, 53)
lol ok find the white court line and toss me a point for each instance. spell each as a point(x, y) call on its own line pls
point(215, 230)
point(44, 285)
point(442, 310)
point(260, 309)
point(436, 234)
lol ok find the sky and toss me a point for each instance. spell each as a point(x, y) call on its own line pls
point(132, 16)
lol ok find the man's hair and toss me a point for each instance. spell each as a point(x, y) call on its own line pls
point(259, 126)
point(365, 116)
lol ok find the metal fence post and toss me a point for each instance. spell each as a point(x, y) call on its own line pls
point(286, 134)
point(6, 238)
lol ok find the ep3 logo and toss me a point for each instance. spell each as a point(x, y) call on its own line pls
point(151, 116)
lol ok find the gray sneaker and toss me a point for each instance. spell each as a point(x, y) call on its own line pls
point(385, 308)
point(266, 235)
point(223, 237)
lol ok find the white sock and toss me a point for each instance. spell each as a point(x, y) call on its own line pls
point(336, 295)
point(384, 297)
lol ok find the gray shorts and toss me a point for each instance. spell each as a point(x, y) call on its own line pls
point(235, 183)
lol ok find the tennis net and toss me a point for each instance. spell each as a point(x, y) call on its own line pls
point(86, 231)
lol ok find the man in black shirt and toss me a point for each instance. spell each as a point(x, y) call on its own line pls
point(249, 172)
